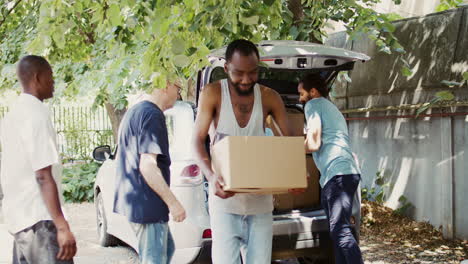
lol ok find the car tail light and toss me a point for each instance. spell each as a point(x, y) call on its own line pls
point(206, 233)
point(191, 171)
point(190, 175)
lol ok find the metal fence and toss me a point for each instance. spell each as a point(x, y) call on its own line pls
point(79, 130)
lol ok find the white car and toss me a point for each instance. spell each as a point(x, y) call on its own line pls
point(299, 232)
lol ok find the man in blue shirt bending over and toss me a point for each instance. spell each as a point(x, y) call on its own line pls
point(143, 176)
point(327, 138)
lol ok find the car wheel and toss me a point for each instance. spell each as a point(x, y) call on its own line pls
point(105, 239)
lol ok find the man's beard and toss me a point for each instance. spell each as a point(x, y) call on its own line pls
point(239, 91)
point(304, 103)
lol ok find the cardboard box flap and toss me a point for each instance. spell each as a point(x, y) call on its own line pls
point(296, 121)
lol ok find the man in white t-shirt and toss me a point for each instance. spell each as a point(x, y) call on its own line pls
point(30, 172)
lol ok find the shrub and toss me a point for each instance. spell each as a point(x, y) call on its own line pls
point(78, 181)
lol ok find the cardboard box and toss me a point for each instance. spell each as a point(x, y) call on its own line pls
point(309, 199)
point(260, 164)
point(296, 123)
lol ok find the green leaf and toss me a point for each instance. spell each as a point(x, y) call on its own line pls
point(293, 32)
point(380, 43)
point(388, 27)
point(78, 7)
point(451, 83)
point(380, 181)
point(211, 8)
point(268, 2)
point(380, 197)
point(348, 14)
point(439, 96)
point(445, 95)
point(178, 46)
point(317, 35)
point(114, 15)
point(373, 34)
point(59, 39)
point(406, 71)
point(158, 80)
point(191, 51)
point(442, 7)
point(181, 61)
point(253, 20)
point(398, 48)
point(394, 16)
point(465, 76)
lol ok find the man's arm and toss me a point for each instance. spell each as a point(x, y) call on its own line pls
point(206, 111)
point(49, 193)
point(278, 110)
point(154, 178)
point(314, 133)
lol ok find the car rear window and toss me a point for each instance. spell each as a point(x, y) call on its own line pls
point(283, 81)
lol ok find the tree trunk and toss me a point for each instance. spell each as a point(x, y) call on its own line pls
point(296, 7)
point(115, 116)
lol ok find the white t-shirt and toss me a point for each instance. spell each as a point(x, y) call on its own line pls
point(28, 142)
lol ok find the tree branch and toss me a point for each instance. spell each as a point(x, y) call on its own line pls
point(89, 36)
point(9, 11)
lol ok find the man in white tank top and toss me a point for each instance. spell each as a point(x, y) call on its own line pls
point(237, 106)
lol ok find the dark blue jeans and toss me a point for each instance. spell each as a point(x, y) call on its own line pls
point(337, 201)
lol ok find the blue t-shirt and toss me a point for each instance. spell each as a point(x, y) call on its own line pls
point(142, 130)
point(334, 156)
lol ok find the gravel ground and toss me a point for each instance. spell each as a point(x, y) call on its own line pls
point(82, 219)
point(378, 247)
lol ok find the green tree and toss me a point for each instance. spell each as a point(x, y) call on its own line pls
point(109, 48)
point(448, 4)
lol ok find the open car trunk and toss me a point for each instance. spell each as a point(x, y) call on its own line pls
point(310, 199)
point(285, 82)
point(283, 65)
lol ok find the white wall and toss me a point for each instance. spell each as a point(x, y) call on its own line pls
point(408, 8)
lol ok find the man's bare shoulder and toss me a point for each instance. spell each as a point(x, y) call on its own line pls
point(211, 93)
point(212, 89)
point(268, 93)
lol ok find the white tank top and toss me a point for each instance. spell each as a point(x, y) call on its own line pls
point(242, 204)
